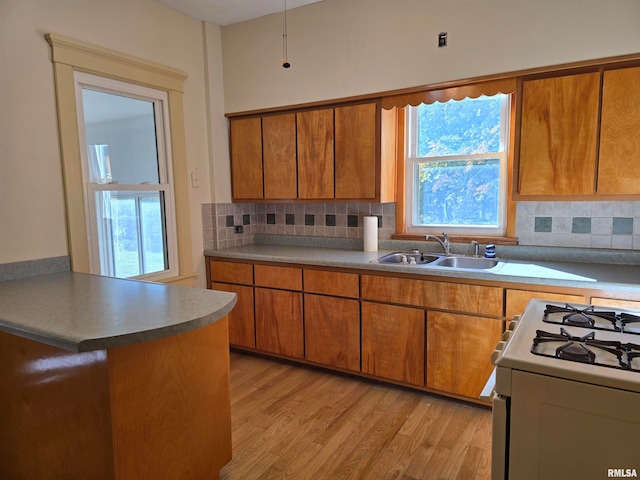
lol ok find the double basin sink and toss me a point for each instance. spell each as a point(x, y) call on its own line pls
point(459, 262)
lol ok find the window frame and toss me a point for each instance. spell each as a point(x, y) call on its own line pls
point(412, 160)
point(159, 99)
point(69, 56)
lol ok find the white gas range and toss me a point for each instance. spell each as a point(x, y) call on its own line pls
point(567, 394)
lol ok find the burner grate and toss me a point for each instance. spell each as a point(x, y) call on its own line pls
point(627, 319)
point(586, 349)
point(587, 317)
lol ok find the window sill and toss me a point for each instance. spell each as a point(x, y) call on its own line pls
point(461, 238)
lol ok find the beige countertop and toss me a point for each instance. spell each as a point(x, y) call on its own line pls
point(82, 312)
point(538, 272)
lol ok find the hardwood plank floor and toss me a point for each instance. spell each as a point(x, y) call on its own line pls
point(298, 423)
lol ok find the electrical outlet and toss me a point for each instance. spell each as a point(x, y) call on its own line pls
point(442, 39)
point(238, 229)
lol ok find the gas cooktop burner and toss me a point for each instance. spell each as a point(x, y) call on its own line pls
point(589, 317)
point(587, 349)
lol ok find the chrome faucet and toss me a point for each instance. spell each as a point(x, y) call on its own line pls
point(446, 246)
point(476, 248)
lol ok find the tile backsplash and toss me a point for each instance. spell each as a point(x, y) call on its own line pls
point(341, 220)
point(613, 225)
point(608, 225)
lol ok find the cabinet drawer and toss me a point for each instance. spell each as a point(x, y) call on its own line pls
point(517, 300)
point(615, 303)
point(286, 278)
point(231, 272)
point(332, 283)
point(441, 295)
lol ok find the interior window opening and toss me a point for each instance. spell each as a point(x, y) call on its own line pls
point(127, 175)
point(456, 166)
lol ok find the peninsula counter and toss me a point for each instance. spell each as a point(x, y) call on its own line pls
point(107, 378)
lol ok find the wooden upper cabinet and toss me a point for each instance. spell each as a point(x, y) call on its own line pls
point(619, 162)
point(315, 154)
point(558, 135)
point(355, 154)
point(279, 154)
point(246, 158)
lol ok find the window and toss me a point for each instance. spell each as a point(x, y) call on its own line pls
point(456, 166)
point(126, 171)
point(126, 197)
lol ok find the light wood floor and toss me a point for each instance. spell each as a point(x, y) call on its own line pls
point(291, 422)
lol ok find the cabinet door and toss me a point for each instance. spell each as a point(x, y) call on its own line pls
point(458, 352)
point(246, 158)
point(279, 153)
point(393, 342)
point(355, 161)
point(619, 162)
point(558, 135)
point(279, 322)
point(241, 320)
point(315, 154)
point(332, 331)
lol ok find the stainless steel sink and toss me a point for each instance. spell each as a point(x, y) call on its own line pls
point(467, 262)
point(406, 258)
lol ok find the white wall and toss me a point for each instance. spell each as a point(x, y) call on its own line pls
point(340, 48)
point(32, 210)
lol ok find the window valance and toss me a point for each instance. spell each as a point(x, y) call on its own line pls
point(474, 90)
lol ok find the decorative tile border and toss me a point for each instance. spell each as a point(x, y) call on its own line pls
point(603, 225)
point(220, 221)
point(613, 225)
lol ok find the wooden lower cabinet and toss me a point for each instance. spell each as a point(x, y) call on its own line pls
point(461, 297)
point(332, 331)
point(393, 342)
point(458, 352)
point(279, 322)
point(242, 330)
point(517, 299)
point(615, 303)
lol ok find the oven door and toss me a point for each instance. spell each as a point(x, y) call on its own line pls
point(561, 429)
point(499, 437)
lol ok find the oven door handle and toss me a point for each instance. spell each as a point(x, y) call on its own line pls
point(489, 388)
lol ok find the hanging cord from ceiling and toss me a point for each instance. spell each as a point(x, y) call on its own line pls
point(285, 62)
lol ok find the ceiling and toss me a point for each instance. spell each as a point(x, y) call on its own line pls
point(226, 12)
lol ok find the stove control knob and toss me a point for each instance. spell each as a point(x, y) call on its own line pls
point(506, 335)
point(497, 352)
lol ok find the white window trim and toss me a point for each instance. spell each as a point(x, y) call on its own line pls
point(70, 55)
point(165, 185)
point(410, 182)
